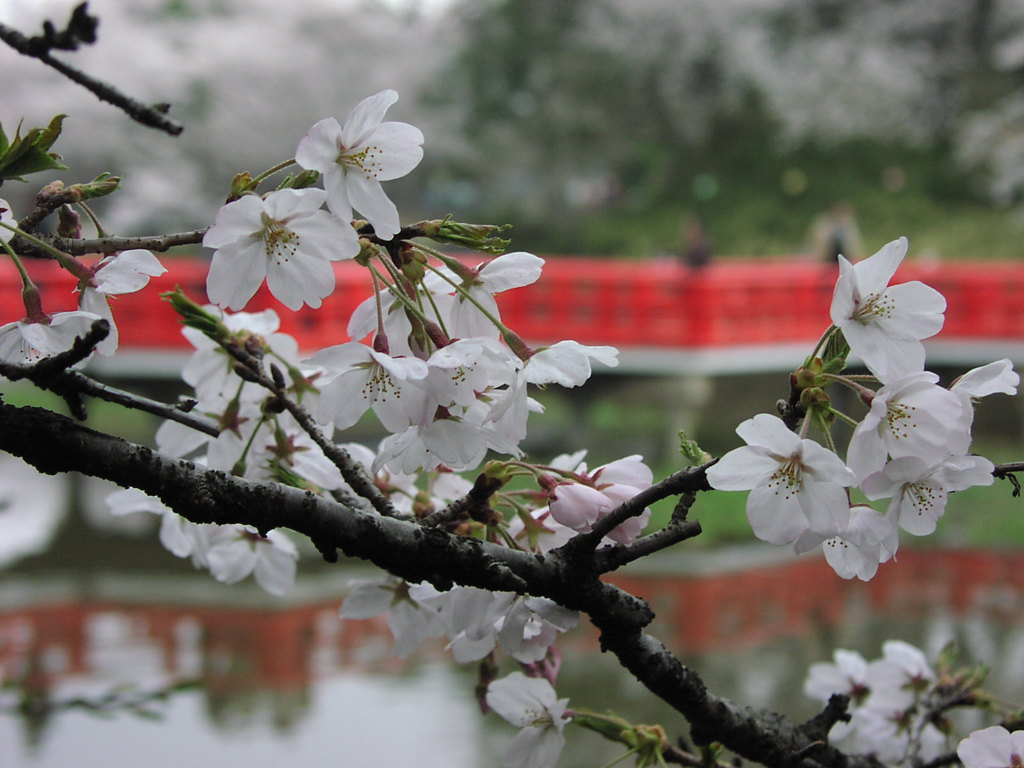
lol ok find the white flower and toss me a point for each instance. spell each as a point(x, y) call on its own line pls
point(578, 506)
point(531, 704)
point(897, 678)
point(993, 747)
point(998, 376)
point(25, 341)
point(884, 324)
point(847, 674)
point(540, 531)
point(356, 157)
point(889, 703)
point(508, 271)
point(456, 443)
point(414, 611)
point(125, 273)
point(870, 538)
point(919, 492)
point(367, 379)
point(232, 552)
point(567, 363)
point(795, 484)
point(525, 627)
point(988, 380)
point(461, 370)
point(911, 416)
point(285, 238)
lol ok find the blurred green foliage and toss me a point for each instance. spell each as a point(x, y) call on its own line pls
point(596, 137)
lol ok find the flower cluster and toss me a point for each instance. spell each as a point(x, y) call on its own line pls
point(429, 355)
point(894, 702)
point(911, 447)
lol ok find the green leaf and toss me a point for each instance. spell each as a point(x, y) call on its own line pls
point(30, 153)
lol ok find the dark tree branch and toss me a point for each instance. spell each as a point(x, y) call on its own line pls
point(54, 443)
point(81, 29)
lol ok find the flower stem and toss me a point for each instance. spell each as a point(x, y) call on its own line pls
point(271, 171)
point(100, 231)
point(502, 328)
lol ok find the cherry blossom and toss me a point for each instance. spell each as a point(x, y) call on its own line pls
point(27, 340)
point(355, 157)
point(210, 371)
point(846, 673)
point(360, 378)
point(127, 272)
point(919, 492)
point(996, 377)
point(456, 443)
point(989, 379)
point(884, 324)
point(993, 747)
point(531, 704)
point(889, 710)
point(284, 238)
point(232, 552)
point(578, 505)
point(795, 484)
point(508, 271)
point(567, 363)
point(870, 539)
point(541, 532)
point(414, 611)
point(911, 416)
point(524, 627)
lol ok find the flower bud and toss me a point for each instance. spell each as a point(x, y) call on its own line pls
point(240, 184)
point(101, 186)
point(69, 224)
point(479, 237)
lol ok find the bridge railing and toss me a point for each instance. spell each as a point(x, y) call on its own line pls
point(595, 301)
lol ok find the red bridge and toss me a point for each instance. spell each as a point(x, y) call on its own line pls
point(735, 315)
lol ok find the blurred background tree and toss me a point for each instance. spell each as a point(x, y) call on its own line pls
point(594, 125)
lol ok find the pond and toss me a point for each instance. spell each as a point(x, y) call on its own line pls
point(102, 612)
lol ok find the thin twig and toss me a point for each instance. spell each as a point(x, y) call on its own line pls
point(68, 382)
point(159, 243)
point(692, 479)
point(352, 471)
point(154, 116)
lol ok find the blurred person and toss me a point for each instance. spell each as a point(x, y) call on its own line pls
point(836, 234)
point(697, 246)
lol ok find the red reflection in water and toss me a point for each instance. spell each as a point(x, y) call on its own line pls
point(231, 647)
